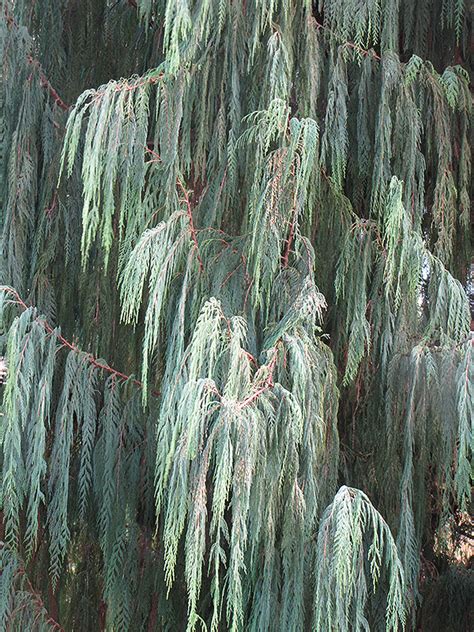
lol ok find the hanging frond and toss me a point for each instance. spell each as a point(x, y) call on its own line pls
point(347, 571)
point(27, 403)
point(465, 432)
point(158, 255)
point(117, 126)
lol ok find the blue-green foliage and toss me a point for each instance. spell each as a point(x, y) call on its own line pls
point(261, 209)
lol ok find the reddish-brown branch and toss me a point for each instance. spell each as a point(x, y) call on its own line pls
point(356, 47)
point(187, 202)
point(192, 228)
point(227, 244)
point(126, 87)
point(39, 603)
point(266, 384)
point(44, 81)
point(66, 343)
point(55, 96)
point(289, 241)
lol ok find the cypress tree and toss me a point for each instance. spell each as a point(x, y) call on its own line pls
point(234, 311)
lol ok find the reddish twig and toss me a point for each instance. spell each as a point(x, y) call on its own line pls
point(44, 81)
point(39, 603)
point(187, 202)
point(66, 343)
point(289, 241)
point(266, 384)
point(356, 47)
point(191, 222)
point(122, 86)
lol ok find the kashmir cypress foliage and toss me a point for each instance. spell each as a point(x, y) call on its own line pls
point(261, 210)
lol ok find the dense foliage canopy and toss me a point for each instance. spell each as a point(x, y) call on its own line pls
point(235, 254)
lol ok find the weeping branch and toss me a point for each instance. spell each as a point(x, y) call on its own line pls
point(70, 345)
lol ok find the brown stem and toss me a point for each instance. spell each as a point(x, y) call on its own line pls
point(187, 201)
point(356, 47)
point(39, 603)
point(65, 343)
point(44, 81)
point(289, 241)
point(266, 384)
